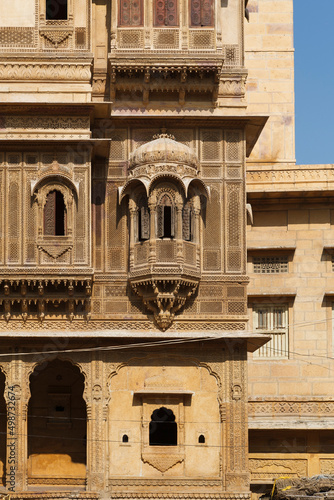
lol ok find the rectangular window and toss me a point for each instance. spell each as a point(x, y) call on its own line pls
point(56, 10)
point(201, 13)
point(130, 13)
point(165, 13)
point(272, 320)
point(270, 265)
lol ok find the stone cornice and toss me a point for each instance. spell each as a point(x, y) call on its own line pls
point(290, 178)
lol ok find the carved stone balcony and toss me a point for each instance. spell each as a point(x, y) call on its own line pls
point(38, 298)
point(164, 190)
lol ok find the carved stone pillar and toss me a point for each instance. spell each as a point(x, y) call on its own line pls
point(17, 397)
point(196, 228)
point(152, 204)
point(132, 212)
point(179, 239)
point(237, 475)
point(96, 427)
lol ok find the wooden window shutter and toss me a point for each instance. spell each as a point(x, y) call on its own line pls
point(160, 221)
point(130, 12)
point(145, 223)
point(201, 13)
point(50, 214)
point(165, 13)
point(186, 223)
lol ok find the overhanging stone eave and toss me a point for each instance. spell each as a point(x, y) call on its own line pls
point(254, 126)
point(289, 192)
point(253, 341)
point(293, 422)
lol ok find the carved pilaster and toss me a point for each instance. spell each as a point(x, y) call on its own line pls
point(96, 428)
point(17, 397)
point(152, 204)
point(132, 211)
point(237, 476)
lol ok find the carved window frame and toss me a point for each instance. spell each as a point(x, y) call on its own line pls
point(175, 401)
point(272, 320)
point(41, 198)
point(161, 214)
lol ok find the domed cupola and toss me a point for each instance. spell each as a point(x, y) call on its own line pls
point(164, 149)
point(165, 194)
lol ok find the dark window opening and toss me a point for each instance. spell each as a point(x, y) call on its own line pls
point(165, 218)
point(60, 408)
point(163, 428)
point(125, 439)
point(201, 439)
point(54, 214)
point(56, 9)
point(167, 222)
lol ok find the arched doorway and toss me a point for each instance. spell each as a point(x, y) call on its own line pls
point(57, 421)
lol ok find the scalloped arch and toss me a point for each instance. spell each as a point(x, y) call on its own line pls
point(60, 357)
point(58, 178)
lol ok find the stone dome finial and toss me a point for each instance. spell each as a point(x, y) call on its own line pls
point(163, 135)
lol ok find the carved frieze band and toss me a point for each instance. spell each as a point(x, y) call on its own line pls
point(272, 468)
point(50, 71)
point(292, 408)
point(303, 175)
point(116, 325)
point(190, 496)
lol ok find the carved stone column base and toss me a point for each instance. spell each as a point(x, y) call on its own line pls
point(237, 481)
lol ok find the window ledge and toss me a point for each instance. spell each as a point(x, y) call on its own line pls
point(144, 392)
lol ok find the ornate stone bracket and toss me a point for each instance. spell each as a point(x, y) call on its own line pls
point(164, 297)
point(162, 462)
point(55, 250)
point(56, 37)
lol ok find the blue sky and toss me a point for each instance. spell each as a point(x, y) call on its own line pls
point(314, 80)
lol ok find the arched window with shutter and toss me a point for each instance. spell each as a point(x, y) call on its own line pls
point(201, 13)
point(55, 214)
point(165, 217)
point(143, 220)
